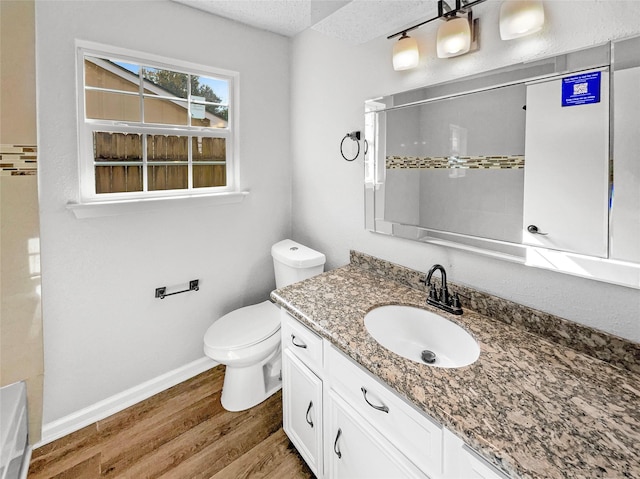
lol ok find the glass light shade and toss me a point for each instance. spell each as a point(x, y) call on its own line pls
point(520, 17)
point(405, 53)
point(454, 37)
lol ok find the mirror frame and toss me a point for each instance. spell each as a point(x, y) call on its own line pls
point(608, 270)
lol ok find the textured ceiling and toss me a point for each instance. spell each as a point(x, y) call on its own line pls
point(356, 21)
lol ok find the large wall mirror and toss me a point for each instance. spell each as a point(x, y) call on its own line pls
point(537, 163)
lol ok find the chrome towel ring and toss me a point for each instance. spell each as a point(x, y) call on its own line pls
point(355, 136)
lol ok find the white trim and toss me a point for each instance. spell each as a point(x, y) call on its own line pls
point(134, 56)
point(85, 127)
point(107, 407)
point(98, 209)
point(622, 273)
point(160, 93)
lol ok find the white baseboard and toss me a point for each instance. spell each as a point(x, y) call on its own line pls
point(105, 408)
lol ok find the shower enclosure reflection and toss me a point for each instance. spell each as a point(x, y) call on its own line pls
point(457, 164)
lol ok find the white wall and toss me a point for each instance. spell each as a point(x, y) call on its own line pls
point(104, 330)
point(331, 80)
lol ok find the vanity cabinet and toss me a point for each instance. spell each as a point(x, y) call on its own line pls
point(347, 424)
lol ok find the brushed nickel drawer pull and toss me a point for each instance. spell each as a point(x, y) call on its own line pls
point(382, 408)
point(336, 449)
point(309, 421)
point(297, 345)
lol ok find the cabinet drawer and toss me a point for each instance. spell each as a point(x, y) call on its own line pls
point(303, 342)
point(419, 438)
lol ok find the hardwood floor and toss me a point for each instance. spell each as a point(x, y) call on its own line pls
point(180, 433)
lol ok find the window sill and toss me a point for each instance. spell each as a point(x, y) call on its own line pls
point(121, 207)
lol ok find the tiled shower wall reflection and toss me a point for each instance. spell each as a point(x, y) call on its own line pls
point(18, 160)
point(463, 162)
point(471, 195)
point(20, 316)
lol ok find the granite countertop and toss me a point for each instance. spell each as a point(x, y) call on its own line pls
point(532, 407)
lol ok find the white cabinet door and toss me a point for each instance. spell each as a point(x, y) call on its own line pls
point(355, 450)
point(302, 410)
point(566, 174)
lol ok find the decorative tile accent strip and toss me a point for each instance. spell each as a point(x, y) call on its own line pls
point(18, 160)
point(448, 162)
point(598, 344)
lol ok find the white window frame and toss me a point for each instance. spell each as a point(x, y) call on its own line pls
point(86, 127)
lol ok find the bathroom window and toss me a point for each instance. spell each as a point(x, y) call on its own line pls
point(153, 127)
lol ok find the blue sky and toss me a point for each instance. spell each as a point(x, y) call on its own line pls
point(220, 87)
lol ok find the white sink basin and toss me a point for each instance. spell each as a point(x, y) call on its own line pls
point(408, 331)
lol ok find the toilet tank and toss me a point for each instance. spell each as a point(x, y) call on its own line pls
point(294, 262)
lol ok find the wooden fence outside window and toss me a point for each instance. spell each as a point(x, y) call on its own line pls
point(167, 162)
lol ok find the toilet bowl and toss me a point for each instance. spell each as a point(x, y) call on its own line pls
point(247, 340)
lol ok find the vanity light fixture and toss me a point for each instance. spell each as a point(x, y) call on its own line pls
point(520, 17)
point(455, 37)
point(459, 34)
point(405, 53)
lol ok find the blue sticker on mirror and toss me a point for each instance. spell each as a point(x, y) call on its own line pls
point(581, 89)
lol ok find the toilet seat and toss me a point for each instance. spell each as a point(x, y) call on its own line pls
point(244, 327)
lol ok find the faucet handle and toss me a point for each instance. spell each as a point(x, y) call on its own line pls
point(444, 295)
point(433, 293)
point(455, 300)
point(455, 304)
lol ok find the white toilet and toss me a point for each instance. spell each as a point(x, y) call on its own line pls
point(247, 340)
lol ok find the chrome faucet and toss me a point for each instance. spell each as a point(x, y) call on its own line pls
point(442, 300)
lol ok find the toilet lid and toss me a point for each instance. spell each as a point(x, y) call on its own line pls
point(244, 327)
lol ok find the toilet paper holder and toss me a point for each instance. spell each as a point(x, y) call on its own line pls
point(161, 292)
